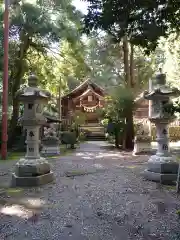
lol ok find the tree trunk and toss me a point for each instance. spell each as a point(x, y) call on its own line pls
point(132, 67)
point(117, 139)
point(129, 118)
point(126, 62)
point(13, 122)
point(129, 78)
point(129, 130)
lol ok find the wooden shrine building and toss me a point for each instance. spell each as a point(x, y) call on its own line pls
point(88, 97)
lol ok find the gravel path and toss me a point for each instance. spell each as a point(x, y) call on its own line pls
point(98, 194)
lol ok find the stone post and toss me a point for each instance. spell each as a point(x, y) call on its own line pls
point(32, 142)
point(162, 139)
point(32, 170)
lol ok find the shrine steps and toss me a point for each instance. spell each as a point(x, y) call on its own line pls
point(94, 132)
point(95, 138)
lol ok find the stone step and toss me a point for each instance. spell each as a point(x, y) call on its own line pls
point(96, 137)
point(93, 129)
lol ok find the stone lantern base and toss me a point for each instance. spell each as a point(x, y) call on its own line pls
point(29, 173)
point(163, 169)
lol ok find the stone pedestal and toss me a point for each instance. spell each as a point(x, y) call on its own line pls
point(30, 173)
point(142, 146)
point(51, 143)
point(33, 170)
point(50, 146)
point(142, 140)
point(162, 167)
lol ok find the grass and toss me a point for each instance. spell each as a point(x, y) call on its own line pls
point(17, 155)
point(14, 156)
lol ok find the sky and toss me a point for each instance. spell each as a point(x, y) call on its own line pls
point(80, 5)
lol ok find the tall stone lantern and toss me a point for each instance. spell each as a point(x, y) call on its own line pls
point(162, 167)
point(32, 170)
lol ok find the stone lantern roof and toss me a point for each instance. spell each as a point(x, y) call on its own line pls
point(32, 90)
point(161, 89)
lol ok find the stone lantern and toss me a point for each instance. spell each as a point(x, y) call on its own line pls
point(162, 167)
point(32, 170)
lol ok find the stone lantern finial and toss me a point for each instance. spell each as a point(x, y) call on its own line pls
point(32, 80)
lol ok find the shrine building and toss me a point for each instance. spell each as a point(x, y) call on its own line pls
point(88, 97)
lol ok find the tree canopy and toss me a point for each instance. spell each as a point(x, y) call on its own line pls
point(144, 22)
point(35, 26)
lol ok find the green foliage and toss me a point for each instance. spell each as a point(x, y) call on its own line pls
point(79, 118)
point(105, 59)
point(42, 65)
point(35, 27)
point(174, 133)
point(178, 213)
point(173, 108)
point(72, 63)
point(117, 109)
point(68, 138)
point(143, 21)
point(120, 101)
point(105, 122)
point(82, 136)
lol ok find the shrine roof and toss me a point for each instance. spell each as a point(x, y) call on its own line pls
point(88, 91)
point(83, 87)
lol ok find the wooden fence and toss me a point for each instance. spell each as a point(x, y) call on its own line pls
point(175, 123)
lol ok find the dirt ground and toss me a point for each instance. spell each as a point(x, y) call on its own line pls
point(98, 193)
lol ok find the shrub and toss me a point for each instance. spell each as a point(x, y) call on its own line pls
point(68, 138)
point(82, 136)
point(174, 133)
point(104, 122)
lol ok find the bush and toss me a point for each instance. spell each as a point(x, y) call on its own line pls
point(68, 138)
point(82, 136)
point(174, 133)
point(105, 122)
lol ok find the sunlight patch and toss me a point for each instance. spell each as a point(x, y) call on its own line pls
point(17, 210)
point(87, 157)
point(101, 155)
point(34, 202)
point(84, 153)
point(98, 166)
point(131, 166)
